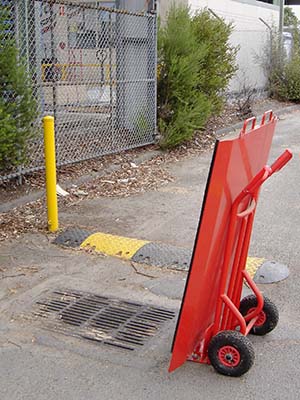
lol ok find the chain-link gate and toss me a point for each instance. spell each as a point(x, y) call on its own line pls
point(94, 69)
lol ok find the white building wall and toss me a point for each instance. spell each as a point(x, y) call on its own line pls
point(249, 33)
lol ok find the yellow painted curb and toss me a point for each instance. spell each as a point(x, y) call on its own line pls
point(253, 263)
point(113, 245)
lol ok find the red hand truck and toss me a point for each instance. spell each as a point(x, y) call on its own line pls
point(213, 323)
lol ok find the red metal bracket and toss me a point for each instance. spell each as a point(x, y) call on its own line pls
point(235, 312)
point(268, 114)
point(246, 123)
point(259, 296)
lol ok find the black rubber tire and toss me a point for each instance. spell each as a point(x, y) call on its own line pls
point(270, 310)
point(239, 342)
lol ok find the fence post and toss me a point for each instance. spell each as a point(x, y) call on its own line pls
point(50, 164)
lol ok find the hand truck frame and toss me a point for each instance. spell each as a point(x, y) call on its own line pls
point(214, 323)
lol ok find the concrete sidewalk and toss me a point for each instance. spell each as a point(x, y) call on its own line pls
point(44, 364)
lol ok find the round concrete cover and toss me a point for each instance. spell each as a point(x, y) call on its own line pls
point(271, 272)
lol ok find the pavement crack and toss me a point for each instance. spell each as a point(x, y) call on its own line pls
point(141, 273)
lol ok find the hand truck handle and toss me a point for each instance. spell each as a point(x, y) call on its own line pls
point(266, 114)
point(247, 121)
point(248, 210)
point(281, 161)
point(266, 172)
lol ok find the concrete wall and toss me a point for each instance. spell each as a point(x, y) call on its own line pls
point(249, 33)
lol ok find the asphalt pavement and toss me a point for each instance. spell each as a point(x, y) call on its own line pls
point(42, 364)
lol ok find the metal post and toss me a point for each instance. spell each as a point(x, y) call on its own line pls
point(50, 163)
point(111, 111)
point(26, 37)
point(271, 38)
point(155, 35)
point(53, 70)
point(214, 14)
point(281, 17)
point(17, 39)
point(280, 29)
point(265, 23)
point(120, 72)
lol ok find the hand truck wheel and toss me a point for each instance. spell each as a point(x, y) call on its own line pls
point(231, 353)
point(268, 317)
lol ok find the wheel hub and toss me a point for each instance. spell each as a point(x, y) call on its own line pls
point(229, 356)
point(261, 317)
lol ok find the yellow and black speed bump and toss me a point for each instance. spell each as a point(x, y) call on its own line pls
point(163, 255)
point(140, 251)
point(72, 237)
point(113, 245)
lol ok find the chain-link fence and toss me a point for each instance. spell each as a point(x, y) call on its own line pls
point(94, 69)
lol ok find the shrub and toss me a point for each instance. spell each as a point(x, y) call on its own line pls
point(195, 65)
point(284, 75)
point(17, 104)
point(181, 107)
point(288, 86)
point(290, 18)
point(282, 69)
point(219, 62)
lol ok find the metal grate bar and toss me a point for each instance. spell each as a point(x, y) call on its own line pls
point(105, 323)
point(114, 322)
point(166, 313)
point(137, 327)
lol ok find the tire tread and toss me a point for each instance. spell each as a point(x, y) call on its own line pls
point(241, 343)
point(270, 310)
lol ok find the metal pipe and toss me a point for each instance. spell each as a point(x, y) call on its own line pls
point(236, 313)
point(53, 68)
point(155, 33)
point(110, 71)
point(265, 23)
point(281, 17)
point(214, 14)
point(26, 37)
point(17, 39)
point(50, 164)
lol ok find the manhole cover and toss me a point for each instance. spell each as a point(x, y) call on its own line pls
point(114, 322)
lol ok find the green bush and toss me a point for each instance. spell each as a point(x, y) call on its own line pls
point(284, 74)
point(18, 109)
point(290, 18)
point(285, 82)
point(195, 65)
point(283, 70)
point(219, 63)
point(181, 107)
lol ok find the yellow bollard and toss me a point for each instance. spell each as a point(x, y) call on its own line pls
point(50, 163)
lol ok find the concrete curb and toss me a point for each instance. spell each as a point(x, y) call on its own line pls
point(239, 125)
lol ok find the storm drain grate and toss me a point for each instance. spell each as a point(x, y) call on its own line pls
point(114, 322)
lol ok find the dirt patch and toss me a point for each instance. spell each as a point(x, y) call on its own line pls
point(28, 218)
point(129, 179)
point(30, 183)
point(36, 181)
point(110, 176)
